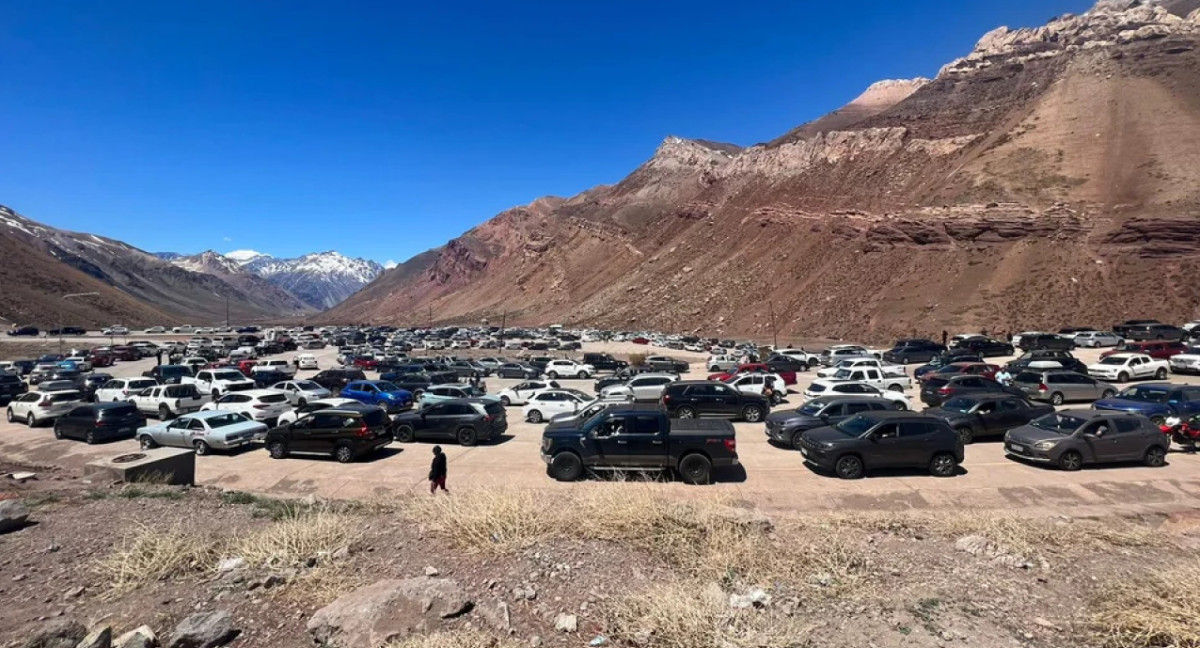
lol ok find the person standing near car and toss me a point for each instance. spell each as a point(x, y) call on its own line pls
point(437, 472)
point(158, 356)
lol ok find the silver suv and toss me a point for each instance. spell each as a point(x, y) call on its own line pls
point(1058, 387)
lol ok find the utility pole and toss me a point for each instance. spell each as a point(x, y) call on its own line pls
point(503, 321)
point(226, 311)
point(431, 318)
point(774, 330)
point(60, 314)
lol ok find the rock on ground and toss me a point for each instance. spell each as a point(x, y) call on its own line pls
point(13, 515)
point(140, 637)
point(99, 638)
point(387, 609)
point(567, 623)
point(58, 633)
point(204, 630)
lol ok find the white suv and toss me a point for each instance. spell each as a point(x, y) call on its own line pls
point(556, 368)
point(36, 407)
point(259, 404)
point(646, 387)
point(122, 389)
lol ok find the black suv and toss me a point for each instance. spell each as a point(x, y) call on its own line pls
point(11, 386)
point(1063, 358)
point(687, 399)
point(883, 440)
point(985, 347)
point(910, 351)
point(977, 415)
point(787, 427)
point(346, 433)
point(604, 361)
point(465, 420)
point(1155, 332)
point(1123, 328)
point(99, 422)
point(335, 379)
point(168, 374)
point(1048, 341)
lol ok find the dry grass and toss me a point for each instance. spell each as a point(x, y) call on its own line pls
point(637, 359)
point(454, 639)
point(691, 615)
point(292, 541)
point(147, 555)
point(1155, 610)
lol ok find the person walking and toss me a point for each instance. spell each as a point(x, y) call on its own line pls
point(945, 337)
point(437, 472)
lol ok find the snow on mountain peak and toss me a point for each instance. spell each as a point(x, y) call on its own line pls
point(245, 256)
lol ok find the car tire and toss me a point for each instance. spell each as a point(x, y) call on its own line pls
point(695, 469)
point(30, 420)
point(277, 450)
point(1122, 377)
point(404, 434)
point(943, 464)
point(9, 415)
point(146, 443)
point(1070, 461)
point(58, 432)
point(566, 466)
point(776, 398)
point(1161, 374)
point(1157, 420)
point(201, 448)
point(849, 467)
point(752, 414)
point(89, 437)
point(1056, 399)
point(896, 387)
point(901, 406)
point(505, 401)
point(1156, 457)
point(1108, 393)
point(714, 368)
point(467, 436)
point(164, 413)
point(344, 454)
point(685, 412)
point(302, 402)
point(552, 375)
point(535, 416)
point(965, 434)
point(797, 440)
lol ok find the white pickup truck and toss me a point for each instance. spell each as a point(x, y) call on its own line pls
point(887, 368)
point(1123, 367)
point(868, 376)
point(216, 382)
point(169, 401)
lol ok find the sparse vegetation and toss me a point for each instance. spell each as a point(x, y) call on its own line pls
point(1153, 610)
point(147, 554)
point(292, 541)
point(136, 492)
point(637, 359)
point(453, 639)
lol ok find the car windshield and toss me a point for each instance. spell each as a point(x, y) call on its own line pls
point(961, 404)
point(1060, 423)
point(1144, 395)
point(1113, 360)
point(307, 385)
point(842, 374)
point(811, 409)
point(855, 427)
point(224, 420)
point(387, 387)
point(232, 374)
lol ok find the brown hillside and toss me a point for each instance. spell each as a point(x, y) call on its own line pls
point(1049, 176)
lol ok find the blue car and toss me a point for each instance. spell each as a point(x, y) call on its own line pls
point(1156, 401)
point(378, 392)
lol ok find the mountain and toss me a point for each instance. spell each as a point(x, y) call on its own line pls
point(1049, 177)
point(41, 264)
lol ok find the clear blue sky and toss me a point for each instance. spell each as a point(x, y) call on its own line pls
point(381, 129)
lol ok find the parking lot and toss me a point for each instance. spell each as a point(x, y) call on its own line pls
point(772, 477)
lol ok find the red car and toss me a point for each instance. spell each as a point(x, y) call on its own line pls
point(964, 368)
point(126, 353)
point(789, 377)
point(100, 359)
point(640, 340)
point(1157, 349)
point(366, 362)
point(246, 366)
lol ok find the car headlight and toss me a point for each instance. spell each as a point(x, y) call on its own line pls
point(1045, 445)
point(827, 446)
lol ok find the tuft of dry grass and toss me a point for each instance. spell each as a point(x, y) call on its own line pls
point(692, 615)
point(292, 541)
point(453, 639)
point(1155, 610)
point(147, 555)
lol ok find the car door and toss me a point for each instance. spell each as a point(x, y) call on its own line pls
point(1100, 443)
point(74, 424)
point(310, 433)
point(612, 439)
point(884, 447)
point(1010, 413)
point(174, 433)
point(436, 420)
point(837, 412)
point(1130, 439)
point(724, 400)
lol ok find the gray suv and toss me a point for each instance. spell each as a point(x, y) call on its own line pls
point(1071, 438)
point(1058, 386)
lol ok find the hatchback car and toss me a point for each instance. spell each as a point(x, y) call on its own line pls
point(466, 421)
point(552, 402)
point(1072, 438)
point(1058, 387)
point(99, 422)
point(872, 440)
point(35, 407)
point(378, 392)
point(910, 351)
point(264, 405)
point(1096, 339)
point(345, 433)
point(982, 415)
point(299, 392)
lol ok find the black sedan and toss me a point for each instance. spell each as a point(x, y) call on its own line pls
point(986, 347)
point(979, 415)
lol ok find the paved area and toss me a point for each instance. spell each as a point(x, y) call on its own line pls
point(773, 478)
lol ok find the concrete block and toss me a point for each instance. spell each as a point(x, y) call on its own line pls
point(159, 465)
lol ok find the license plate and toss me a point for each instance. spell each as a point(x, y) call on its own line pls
point(126, 430)
point(1016, 448)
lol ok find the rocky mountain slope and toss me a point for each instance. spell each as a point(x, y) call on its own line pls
point(41, 264)
point(1051, 176)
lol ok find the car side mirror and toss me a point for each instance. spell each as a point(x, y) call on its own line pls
point(825, 417)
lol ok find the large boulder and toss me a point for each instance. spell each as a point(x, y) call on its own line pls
point(139, 637)
point(57, 633)
point(204, 630)
point(386, 610)
point(13, 515)
point(101, 637)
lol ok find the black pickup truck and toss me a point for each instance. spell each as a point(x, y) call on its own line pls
point(631, 438)
point(604, 362)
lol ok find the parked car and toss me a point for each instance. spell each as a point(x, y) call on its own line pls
point(936, 391)
point(644, 387)
point(604, 362)
point(667, 364)
point(24, 331)
point(862, 363)
point(1058, 386)
point(950, 357)
point(1187, 362)
point(983, 415)
point(516, 370)
point(1096, 339)
point(758, 383)
point(1156, 402)
point(264, 405)
point(36, 407)
point(786, 427)
point(346, 433)
point(203, 432)
point(168, 374)
point(335, 379)
point(966, 369)
point(620, 377)
point(168, 401)
point(839, 352)
point(913, 351)
point(466, 421)
point(552, 402)
point(594, 407)
point(216, 382)
point(378, 392)
point(1124, 367)
point(307, 361)
point(1046, 359)
point(821, 388)
point(722, 363)
point(520, 393)
point(986, 347)
point(1155, 332)
point(1123, 328)
point(282, 366)
point(704, 398)
point(299, 392)
point(624, 438)
point(439, 393)
point(789, 377)
point(122, 389)
point(1045, 341)
point(1158, 350)
point(871, 376)
point(872, 440)
point(301, 411)
point(1071, 439)
point(568, 369)
point(99, 422)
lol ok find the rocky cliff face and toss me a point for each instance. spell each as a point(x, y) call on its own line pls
point(1051, 173)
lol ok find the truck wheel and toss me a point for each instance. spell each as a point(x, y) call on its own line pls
point(943, 465)
point(896, 387)
point(343, 454)
point(535, 416)
point(466, 436)
point(1056, 399)
point(164, 413)
point(404, 433)
point(849, 467)
point(685, 412)
point(215, 394)
point(1123, 377)
point(695, 469)
point(1161, 374)
point(147, 443)
point(277, 449)
point(566, 466)
point(752, 414)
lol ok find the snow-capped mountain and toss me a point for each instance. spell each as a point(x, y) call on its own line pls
point(321, 280)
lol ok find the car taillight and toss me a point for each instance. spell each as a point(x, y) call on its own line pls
point(364, 430)
point(666, 398)
point(944, 391)
point(261, 406)
point(1042, 387)
point(45, 403)
point(731, 445)
point(487, 419)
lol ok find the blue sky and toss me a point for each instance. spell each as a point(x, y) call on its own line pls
point(382, 129)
